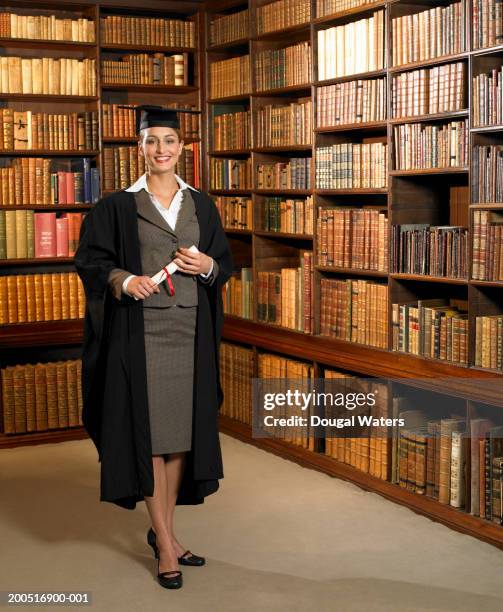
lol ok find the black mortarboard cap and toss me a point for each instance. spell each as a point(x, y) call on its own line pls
point(148, 115)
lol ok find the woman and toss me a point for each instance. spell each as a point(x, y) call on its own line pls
point(150, 363)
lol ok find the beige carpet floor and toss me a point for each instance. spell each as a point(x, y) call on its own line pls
point(277, 537)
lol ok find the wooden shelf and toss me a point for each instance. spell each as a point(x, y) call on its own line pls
point(372, 74)
point(231, 192)
point(452, 517)
point(289, 89)
point(487, 129)
point(225, 99)
point(356, 12)
point(42, 333)
point(281, 148)
point(429, 279)
point(46, 207)
point(235, 230)
point(284, 34)
point(431, 117)
point(57, 45)
point(228, 45)
point(418, 171)
point(285, 192)
point(42, 437)
point(354, 191)
point(46, 153)
point(145, 48)
point(271, 234)
point(370, 127)
point(46, 97)
point(444, 59)
point(230, 152)
point(351, 271)
point(176, 89)
point(35, 261)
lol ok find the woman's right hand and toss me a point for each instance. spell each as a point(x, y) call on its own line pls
point(142, 287)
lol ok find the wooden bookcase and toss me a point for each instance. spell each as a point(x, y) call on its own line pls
point(60, 340)
point(434, 196)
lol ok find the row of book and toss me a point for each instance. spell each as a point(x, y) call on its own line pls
point(152, 31)
point(432, 328)
point(353, 48)
point(489, 341)
point(419, 248)
point(361, 101)
point(145, 69)
point(235, 212)
point(487, 173)
point(119, 121)
point(46, 27)
point(25, 234)
point(288, 215)
point(276, 68)
point(487, 24)
point(355, 311)
point(237, 365)
point(284, 296)
point(487, 98)
point(27, 131)
point(39, 180)
point(232, 131)
point(352, 238)
point(226, 28)
point(237, 294)
point(290, 124)
point(230, 173)
point(42, 396)
point(367, 454)
point(276, 367)
point(422, 146)
point(487, 254)
point(294, 174)
point(429, 34)
point(282, 14)
point(230, 77)
point(352, 166)
point(440, 89)
point(26, 298)
point(47, 75)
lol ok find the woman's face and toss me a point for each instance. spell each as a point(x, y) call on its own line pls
point(161, 148)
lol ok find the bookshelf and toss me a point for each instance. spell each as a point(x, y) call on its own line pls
point(30, 341)
point(432, 194)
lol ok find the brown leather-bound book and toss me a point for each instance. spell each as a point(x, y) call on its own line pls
point(482, 477)
point(39, 297)
point(8, 402)
point(4, 305)
point(64, 280)
point(47, 297)
point(12, 300)
point(62, 393)
point(19, 399)
point(22, 314)
point(29, 382)
point(447, 426)
point(79, 390)
point(52, 395)
point(72, 393)
point(41, 397)
point(421, 435)
point(56, 296)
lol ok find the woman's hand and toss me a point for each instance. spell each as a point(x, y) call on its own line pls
point(192, 263)
point(142, 287)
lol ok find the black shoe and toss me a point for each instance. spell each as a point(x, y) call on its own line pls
point(151, 539)
point(171, 579)
point(191, 559)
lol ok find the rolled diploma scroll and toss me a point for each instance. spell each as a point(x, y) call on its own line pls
point(171, 268)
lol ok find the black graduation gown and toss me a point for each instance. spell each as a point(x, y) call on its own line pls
point(115, 410)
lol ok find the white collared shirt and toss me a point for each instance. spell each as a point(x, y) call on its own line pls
point(170, 214)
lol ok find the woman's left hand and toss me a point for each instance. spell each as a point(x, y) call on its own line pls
point(192, 263)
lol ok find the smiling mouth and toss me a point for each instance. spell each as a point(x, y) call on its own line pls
point(162, 159)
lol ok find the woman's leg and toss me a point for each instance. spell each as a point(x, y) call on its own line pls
point(157, 508)
point(174, 467)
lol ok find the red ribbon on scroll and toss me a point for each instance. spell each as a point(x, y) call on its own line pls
point(169, 283)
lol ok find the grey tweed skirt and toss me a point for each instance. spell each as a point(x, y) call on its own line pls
point(169, 347)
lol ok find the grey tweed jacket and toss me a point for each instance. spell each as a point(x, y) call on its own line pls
point(158, 245)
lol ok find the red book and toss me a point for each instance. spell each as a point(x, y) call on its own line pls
point(45, 234)
point(70, 187)
point(62, 188)
point(62, 236)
